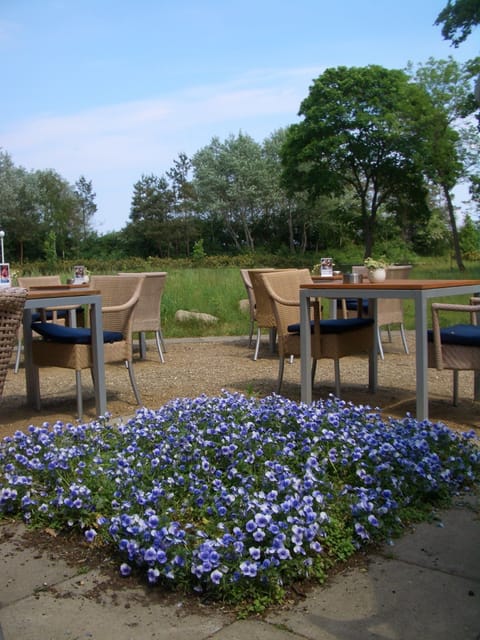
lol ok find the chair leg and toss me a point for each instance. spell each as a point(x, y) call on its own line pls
point(404, 338)
point(162, 341)
point(17, 357)
point(158, 341)
point(272, 337)
point(380, 346)
point(455, 387)
point(250, 336)
point(257, 345)
point(281, 366)
point(142, 344)
point(337, 377)
point(314, 369)
point(78, 384)
point(133, 382)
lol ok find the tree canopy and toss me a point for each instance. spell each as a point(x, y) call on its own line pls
point(458, 18)
point(364, 130)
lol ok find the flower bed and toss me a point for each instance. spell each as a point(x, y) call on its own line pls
point(234, 495)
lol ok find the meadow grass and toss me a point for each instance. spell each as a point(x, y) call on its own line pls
point(219, 291)
point(214, 291)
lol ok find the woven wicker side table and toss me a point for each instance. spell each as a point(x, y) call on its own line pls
point(12, 302)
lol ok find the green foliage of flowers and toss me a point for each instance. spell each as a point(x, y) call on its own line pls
point(233, 496)
point(373, 264)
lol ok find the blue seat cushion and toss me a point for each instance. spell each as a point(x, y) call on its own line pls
point(463, 334)
point(71, 335)
point(341, 325)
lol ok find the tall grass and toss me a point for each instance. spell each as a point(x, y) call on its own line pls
point(218, 292)
point(214, 291)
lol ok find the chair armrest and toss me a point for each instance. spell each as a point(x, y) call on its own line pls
point(472, 309)
point(437, 307)
point(118, 307)
point(286, 302)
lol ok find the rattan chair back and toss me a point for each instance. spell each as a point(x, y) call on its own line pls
point(247, 282)
point(39, 281)
point(12, 303)
point(264, 316)
point(389, 310)
point(148, 313)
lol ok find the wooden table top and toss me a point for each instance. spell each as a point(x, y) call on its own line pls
point(58, 291)
point(398, 284)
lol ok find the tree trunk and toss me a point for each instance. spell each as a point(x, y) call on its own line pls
point(453, 226)
point(291, 239)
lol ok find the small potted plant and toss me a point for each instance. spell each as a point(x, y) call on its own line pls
point(377, 269)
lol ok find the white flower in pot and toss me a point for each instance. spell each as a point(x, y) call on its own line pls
point(377, 269)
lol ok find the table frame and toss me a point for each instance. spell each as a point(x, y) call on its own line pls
point(64, 298)
point(421, 291)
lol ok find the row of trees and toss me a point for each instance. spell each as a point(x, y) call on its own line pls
point(373, 162)
point(41, 213)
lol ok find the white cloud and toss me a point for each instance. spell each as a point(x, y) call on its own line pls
point(114, 145)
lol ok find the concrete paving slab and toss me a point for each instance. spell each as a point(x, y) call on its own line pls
point(445, 548)
point(255, 630)
point(392, 601)
point(424, 587)
point(46, 617)
point(42, 598)
point(24, 571)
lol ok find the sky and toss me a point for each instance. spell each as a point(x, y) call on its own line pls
point(114, 90)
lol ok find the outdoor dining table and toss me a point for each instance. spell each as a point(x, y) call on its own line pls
point(65, 296)
point(421, 291)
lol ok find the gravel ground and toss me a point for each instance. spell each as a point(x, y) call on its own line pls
point(196, 366)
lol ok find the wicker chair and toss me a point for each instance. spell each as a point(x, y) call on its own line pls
point(147, 315)
point(70, 347)
point(12, 302)
point(389, 310)
point(333, 339)
point(251, 302)
point(264, 316)
point(54, 314)
point(456, 347)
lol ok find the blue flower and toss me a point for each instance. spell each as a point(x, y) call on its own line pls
point(90, 535)
point(216, 576)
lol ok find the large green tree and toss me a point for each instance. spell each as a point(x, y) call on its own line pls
point(230, 182)
point(458, 18)
point(454, 143)
point(149, 215)
point(39, 206)
point(184, 200)
point(362, 132)
point(86, 203)
point(59, 211)
point(19, 212)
